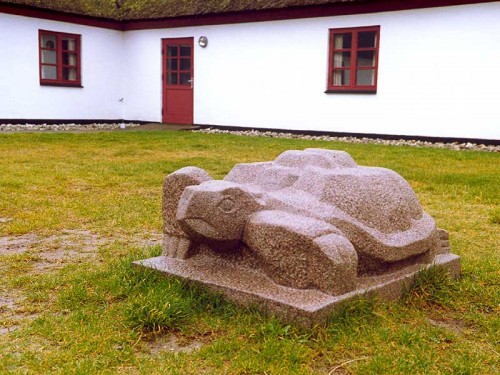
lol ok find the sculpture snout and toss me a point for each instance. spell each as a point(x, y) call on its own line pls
point(193, 216)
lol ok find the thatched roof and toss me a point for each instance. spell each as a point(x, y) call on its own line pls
point(94, 8)
point(154, 9)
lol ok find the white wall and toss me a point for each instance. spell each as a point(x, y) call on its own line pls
point(437, 76)
point(142, 76)
point(22, 97)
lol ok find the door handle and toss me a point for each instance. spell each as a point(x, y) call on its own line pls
point(191, 82)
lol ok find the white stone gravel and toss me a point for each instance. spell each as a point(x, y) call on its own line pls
point(401, 142)
point(64, 127)
point(252, 133)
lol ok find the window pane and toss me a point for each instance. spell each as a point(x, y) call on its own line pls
point(365, 77)
point(49, 72)
point(366, 58)
point(49, 41)
point(185, 64)
point(69, 74)
point(342, 41)
point(69, 58)
point(172, 64)
point(49, 57)
point(69, 44)
point(367, 39)
point(185, 50)
point(341, 77)
point(172, 51)
point(341, 59)
point(172, 78)
point(185, 78)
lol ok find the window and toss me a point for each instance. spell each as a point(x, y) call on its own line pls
point(59, 59)
point(179, 59)
point(353, 59)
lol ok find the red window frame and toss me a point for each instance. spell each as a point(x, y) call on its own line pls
point(63, 69)
point(346, 70)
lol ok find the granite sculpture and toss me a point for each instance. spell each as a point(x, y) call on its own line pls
point(300, 234)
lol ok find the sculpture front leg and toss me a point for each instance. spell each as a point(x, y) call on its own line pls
point(302, 252)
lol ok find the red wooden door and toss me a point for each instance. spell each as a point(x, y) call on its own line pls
point(178, 80)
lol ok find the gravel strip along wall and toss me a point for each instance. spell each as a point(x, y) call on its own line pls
point(63, 127)
point(253, 133)
point(401, 142)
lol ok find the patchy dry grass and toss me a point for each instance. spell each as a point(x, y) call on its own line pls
point(76, 209)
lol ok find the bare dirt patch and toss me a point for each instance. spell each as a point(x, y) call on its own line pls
point(71, 246)
point(6, 304)
point(147, 239)
point(453, 325)
point(171, 343)
point(12, 313)
point(4, 331)
point(17, 244)
point(68, 247)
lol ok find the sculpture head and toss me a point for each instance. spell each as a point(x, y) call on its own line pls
point(215, 212)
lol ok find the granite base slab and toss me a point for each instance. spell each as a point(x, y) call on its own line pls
point(248, 287)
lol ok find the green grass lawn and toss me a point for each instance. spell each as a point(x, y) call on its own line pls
point(96, 314)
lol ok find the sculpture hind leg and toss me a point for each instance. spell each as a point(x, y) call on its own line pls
point(176, 243)
point(302, 252)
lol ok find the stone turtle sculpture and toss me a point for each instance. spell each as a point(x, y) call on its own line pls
point(309, 220)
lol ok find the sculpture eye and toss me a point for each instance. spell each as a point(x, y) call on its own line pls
point(227, 205)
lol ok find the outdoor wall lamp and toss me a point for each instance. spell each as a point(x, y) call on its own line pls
point(203, 41)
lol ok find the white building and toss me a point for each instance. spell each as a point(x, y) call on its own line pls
point(372, 67)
